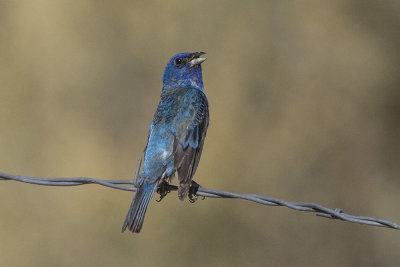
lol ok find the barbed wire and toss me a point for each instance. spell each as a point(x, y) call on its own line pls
point(211, 193)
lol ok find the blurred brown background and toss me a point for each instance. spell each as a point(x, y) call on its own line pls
point(305, 106)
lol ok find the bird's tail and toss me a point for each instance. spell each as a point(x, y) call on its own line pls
point(134, 218)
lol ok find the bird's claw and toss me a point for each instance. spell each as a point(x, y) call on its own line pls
point(163, 189)
point(194, 187)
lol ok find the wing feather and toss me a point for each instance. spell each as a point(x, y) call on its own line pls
point(189, 137)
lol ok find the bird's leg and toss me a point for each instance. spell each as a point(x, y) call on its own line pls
point(164, 188)
point(194, 187)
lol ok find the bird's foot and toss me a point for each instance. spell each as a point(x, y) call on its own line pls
point(164, 188)
point(194, 187)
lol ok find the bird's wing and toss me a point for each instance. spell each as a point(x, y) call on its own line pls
point(190, 127)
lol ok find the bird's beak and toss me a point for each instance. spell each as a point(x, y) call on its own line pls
point(197, 60)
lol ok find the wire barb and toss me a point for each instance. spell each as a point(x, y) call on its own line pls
point(135, 178)
point(210, 193)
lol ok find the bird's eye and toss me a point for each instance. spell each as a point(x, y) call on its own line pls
point(178, 61)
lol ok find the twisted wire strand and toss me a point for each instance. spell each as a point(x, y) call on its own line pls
point(211, 193)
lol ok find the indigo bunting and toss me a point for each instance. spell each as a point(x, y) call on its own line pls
point(176, 135)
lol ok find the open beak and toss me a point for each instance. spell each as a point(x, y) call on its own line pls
point(197, 60)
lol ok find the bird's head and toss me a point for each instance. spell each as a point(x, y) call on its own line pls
point(184, 70)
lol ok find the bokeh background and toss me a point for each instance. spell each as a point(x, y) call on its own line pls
point(305, 106)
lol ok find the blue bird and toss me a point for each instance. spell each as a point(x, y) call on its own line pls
point(176, 135)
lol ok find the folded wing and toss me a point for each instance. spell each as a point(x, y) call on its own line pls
point(192, 120)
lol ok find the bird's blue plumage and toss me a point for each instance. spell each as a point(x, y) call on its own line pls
point(176, 134)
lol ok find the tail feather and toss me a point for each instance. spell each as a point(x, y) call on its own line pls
point(134, 218)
